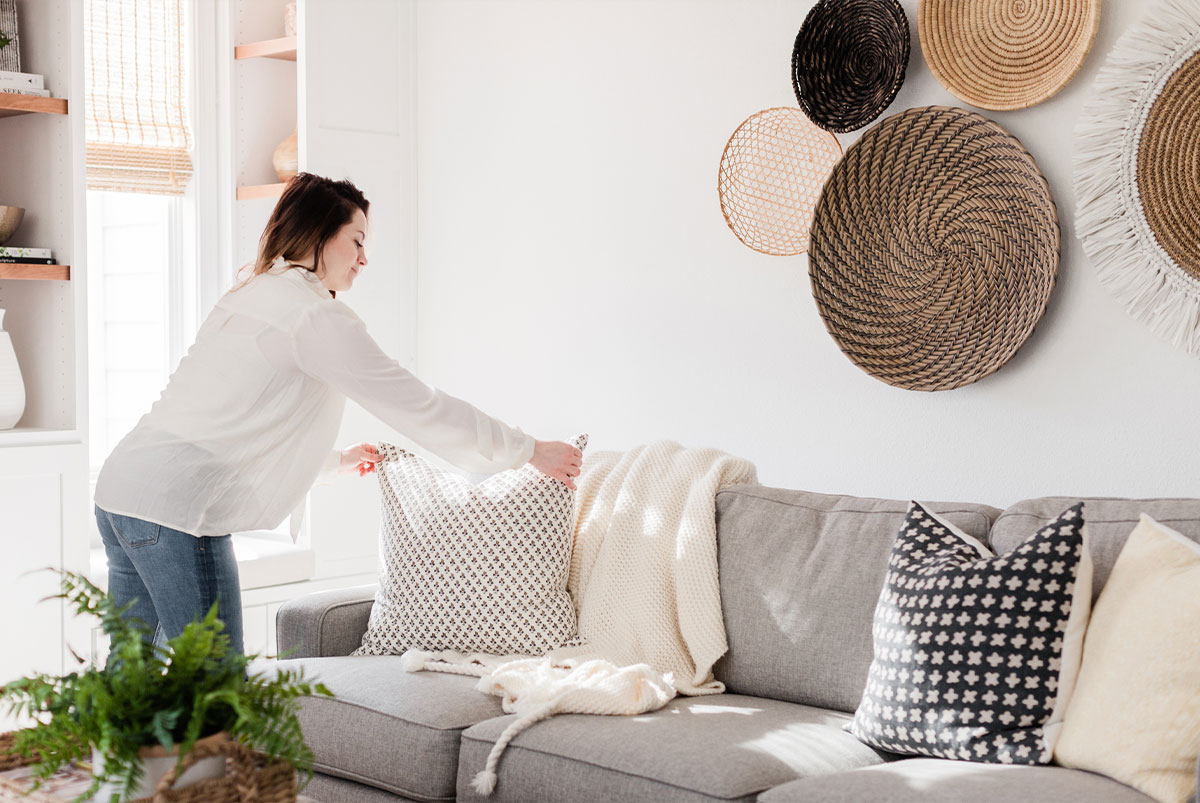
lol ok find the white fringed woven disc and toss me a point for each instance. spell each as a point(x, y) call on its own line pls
point(1137, 172)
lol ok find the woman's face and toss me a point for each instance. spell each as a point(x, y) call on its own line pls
point(344, 255)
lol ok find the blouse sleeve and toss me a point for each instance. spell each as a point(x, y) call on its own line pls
point(332, 344)
point(329, 468)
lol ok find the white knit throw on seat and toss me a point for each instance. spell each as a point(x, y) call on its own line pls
point(644, 581)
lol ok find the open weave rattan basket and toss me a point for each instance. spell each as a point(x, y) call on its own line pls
point(770, 177)
point(1006, 54)
point(934, 249)
point(250, 777)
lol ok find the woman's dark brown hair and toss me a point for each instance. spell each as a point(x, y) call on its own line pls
point(311, 210)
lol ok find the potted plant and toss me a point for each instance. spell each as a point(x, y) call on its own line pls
point(151, 701)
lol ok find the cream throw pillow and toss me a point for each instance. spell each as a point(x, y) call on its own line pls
point(1135, 714)
point(471, 568)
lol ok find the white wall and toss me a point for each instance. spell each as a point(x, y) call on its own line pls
point(576, 273)
point(356, 70)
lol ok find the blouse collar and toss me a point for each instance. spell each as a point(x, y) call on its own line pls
point(301, 275)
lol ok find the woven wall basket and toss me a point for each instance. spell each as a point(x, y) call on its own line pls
point(770, 177)
point(1137, 172)
point(849, 61)
point(934, 249)
point(1006, 54)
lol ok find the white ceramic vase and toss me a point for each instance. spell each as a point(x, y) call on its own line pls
point(12, 386)
point(156, 762)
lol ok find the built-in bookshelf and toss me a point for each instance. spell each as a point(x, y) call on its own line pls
point(44, 504)
point(271, 84)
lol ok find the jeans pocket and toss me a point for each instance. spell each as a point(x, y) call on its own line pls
point(134, 532)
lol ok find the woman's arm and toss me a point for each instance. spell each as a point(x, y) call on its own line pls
point(332, 344)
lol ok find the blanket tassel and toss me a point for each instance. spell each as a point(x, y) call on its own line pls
point(485, 780)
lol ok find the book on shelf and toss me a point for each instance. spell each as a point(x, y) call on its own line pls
point(41, 93)
point(21, 251)
point(25, 261)
point(21, 80)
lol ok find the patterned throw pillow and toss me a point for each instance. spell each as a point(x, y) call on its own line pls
point(976, 655)
point(471, 568)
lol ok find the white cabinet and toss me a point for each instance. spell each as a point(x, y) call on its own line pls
point(254, 629)
point(41, 518)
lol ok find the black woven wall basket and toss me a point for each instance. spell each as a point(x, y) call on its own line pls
point(849, 61)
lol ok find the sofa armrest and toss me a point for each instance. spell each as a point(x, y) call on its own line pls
point(324, 622)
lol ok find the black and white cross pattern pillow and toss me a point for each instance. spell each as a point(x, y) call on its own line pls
point(976, 654)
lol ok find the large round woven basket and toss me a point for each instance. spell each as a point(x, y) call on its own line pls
point(1137, 172)
point(250, 777)
point(934, 249)
point(849, 60)
point(1006, 54)
point(770, 178)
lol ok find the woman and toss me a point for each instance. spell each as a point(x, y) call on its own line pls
point(247, 422)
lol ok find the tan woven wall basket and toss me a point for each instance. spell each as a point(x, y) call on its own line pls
point(1137, 172)
point(1006, 54)
point(770, 178)
point(934, 249)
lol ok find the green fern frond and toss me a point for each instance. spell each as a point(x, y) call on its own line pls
point(146, 695)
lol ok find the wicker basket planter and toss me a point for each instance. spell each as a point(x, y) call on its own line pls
point(250, 777)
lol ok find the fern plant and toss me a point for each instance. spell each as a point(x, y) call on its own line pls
point(146, 695)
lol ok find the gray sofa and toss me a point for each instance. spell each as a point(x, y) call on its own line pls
point(800, 574)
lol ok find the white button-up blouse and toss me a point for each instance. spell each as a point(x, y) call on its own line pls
point(247, 423)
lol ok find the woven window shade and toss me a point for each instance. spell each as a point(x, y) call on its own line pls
point(138, 134)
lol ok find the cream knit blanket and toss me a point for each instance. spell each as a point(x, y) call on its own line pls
point(644, 582)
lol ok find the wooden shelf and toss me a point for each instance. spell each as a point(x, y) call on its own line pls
point(21, 270)
point(283, 48)
point(256, 191)
point(12, 103)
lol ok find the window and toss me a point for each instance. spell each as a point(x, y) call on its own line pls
point(149, 213)
point(129, 331)
point(141, 209)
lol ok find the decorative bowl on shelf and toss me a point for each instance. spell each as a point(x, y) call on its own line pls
point(285, 160)
point(10, 221)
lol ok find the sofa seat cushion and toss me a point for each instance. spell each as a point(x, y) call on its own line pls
point(719, 747)
point(395, 730)
point(934, 780)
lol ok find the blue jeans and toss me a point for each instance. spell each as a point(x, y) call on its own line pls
point(173, 577)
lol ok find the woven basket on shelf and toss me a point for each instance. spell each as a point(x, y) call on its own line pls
point(934, 249)
point(1006, 54)
point(770, 177)
point(849, 60)
point(250, 777)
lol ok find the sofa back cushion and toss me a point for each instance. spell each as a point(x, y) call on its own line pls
point(1109, 523)
point(800, 577)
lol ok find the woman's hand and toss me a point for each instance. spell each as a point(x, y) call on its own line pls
point(360, 457)
point(558, 460)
